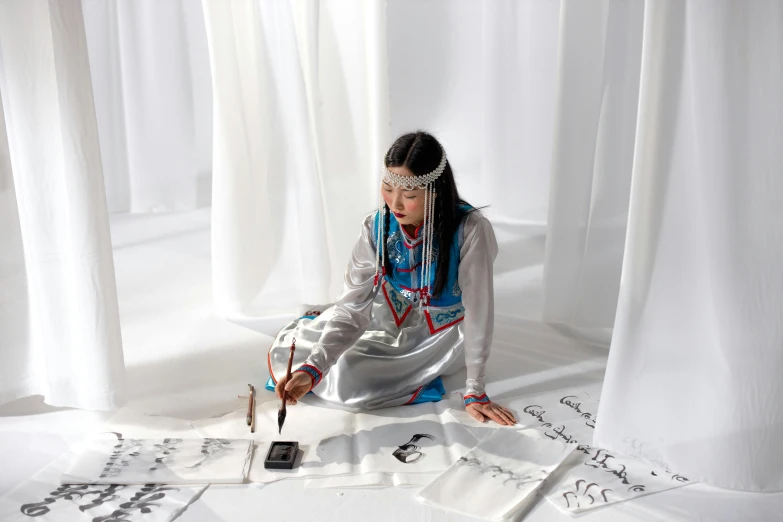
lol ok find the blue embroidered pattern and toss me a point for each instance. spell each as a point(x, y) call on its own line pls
point(312, 371)
point(481, 399)
point(406, 268)
point(450, 315)
point(446, 309)
point(399, 306)
point(440, 318)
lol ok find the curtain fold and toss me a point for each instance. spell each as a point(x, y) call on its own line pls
point(58, 276)
point(595, 118)
point(300, 121)
point(151, 84)
point(693, 378)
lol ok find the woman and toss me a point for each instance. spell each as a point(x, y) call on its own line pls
point(417, 302)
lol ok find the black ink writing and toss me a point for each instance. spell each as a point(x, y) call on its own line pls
point(508, 476)
point(212, 449)
point(143, 501)
point(588, 496)
point(409, 453)
point(107, 495)
point(165, 452)
point(571, 404)
point(114, 467)
point(536, 411)
point(558, 433)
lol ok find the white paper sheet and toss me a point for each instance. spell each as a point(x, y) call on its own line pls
point(591, 477)
point(499, 477)
point(372, 480)
point(42, 498)
point(161, 461)
point(421, 438)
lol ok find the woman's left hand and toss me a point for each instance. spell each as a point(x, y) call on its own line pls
point(491, 410)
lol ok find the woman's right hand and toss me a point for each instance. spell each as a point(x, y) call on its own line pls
point(296, 388)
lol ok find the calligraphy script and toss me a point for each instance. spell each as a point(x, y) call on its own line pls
point(590, 417)
point(558, 433)
point(143, 501)
point(553, 432)
point(507, 476)
point(598, 476)
point(536, 411)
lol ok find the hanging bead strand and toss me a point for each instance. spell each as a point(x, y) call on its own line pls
point(378, 240)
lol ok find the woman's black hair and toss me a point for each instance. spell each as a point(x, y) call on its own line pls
point(420, 153)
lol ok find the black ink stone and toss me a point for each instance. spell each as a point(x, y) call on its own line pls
point(281, 455)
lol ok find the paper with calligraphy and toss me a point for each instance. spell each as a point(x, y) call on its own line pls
point(421, 438)
point(499, 477)
point(591, 477)
point(43, 499)
point(171, 460)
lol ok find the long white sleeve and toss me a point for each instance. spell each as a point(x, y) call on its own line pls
point(477, 255)
point(352, 310)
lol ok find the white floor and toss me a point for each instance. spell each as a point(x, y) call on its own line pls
point(184, 362)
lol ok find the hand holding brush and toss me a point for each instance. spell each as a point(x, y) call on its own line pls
point(281, 413)
point(295, 386)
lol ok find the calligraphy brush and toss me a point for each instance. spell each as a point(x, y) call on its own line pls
point(249, 418)
point(281, 412)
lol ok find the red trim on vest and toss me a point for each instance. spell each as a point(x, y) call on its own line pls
point(415, 394)
point(417, 265)
point(397, 320)
point(432, 326)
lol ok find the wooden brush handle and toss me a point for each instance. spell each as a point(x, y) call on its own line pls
point(288, 370)
point(250, 404)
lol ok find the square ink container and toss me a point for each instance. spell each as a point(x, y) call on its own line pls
point(281, 455)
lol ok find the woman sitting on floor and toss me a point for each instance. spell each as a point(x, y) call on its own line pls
point(417, 302)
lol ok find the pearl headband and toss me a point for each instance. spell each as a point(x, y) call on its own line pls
point(425, 182)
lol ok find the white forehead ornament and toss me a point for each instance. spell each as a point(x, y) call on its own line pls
point(425, 182)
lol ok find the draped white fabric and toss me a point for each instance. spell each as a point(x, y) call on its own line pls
point(694, 368)
point(536, 103)
point(595, 116)
point(59, 326)
point(481, 76)
point(300, 122)
point(153, 100)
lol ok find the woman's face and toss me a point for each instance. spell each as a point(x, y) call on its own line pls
point(407, 206)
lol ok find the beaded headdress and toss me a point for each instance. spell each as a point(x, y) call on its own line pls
point(426, 182)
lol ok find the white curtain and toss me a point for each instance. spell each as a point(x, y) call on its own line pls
point(536, 103)
point(481, 76)
point(300, 122)
point(60, 325)
point(597, 95)
point(153, 100)
point(694, 374)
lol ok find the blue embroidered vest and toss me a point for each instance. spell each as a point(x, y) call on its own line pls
point(401, 287)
